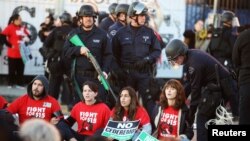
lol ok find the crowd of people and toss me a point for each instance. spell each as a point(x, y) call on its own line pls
point(126, 48)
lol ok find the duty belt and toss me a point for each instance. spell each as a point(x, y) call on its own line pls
point(133, 68)
point(87, 73)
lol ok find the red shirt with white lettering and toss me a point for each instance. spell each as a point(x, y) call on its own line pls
point(90, 117)
point(141, 114)
point(168, 123)
point(15, 34)
point(27, 108)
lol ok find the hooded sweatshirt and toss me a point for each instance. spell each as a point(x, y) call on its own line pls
point(45, 83)
point(27, 107)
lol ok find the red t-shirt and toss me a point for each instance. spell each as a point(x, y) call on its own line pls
point(141, 114)
point(14, 35)
point(3, 102)
point(27, 108)
point(90, 117)
point(168, 123)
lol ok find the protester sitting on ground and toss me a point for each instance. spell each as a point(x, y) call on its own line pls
point(90, 114)
point(128, 109)
point(172, 120)
point(38, 130)
point(36, 103)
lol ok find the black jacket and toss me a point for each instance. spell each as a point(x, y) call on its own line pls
point(129, 46)
point(221, 45)
point(114, 28)
point(241, 57)
point(98, 44)
point(106, 23)
point(200, 72)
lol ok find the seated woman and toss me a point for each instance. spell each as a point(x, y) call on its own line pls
point(171, 122)
point(128, 109)
point(90, 114)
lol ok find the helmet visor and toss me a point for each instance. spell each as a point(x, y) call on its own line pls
point(140, 9)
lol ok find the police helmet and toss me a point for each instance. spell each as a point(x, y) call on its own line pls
point(227, 16)
point(87, 10)
point(65, 18)
point(121, 8)
point(137, 8)
point(175, 48)
point(112, 8)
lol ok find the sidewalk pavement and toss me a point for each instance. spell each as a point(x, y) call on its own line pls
point(11, 94)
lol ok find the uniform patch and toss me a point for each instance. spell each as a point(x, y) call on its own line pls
point(127, 38)
point(113, 32)
point(96, 40)
point(47, 104)
point(145, 38)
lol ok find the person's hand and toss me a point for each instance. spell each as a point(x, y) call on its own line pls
point(73, 139)
point(46, 33)
point(178, 138)
point(110, 139)
point(105, 75)
point(26, 39)
point(84, 51)
point(54, 120)
point(168, 139)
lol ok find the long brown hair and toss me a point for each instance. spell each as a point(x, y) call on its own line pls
point(120, 111)
point(180, 97)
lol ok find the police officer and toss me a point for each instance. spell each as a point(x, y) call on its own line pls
point(57, 64)
point(223, 39)
point(96, 42)
point(205, 75)
point(108, 21)
point(221, 46)
point(136, 48)
point(116, 76)
point(121, 19)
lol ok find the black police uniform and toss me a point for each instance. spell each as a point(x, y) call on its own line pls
point(57, 64)
point(97, 42)
point(106, 23)
point(205, 93)
point(114, 28)
point(221, 45)
point(135, 50)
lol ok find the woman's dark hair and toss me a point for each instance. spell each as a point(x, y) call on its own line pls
point(94, 87)
point(51, 19)
point(180, 97)
point(13, 18)
point(120, 111)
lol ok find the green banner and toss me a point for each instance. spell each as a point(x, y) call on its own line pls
point(144, 136)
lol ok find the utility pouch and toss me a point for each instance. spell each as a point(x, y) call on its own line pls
point(229, 87)
point(209, 101)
